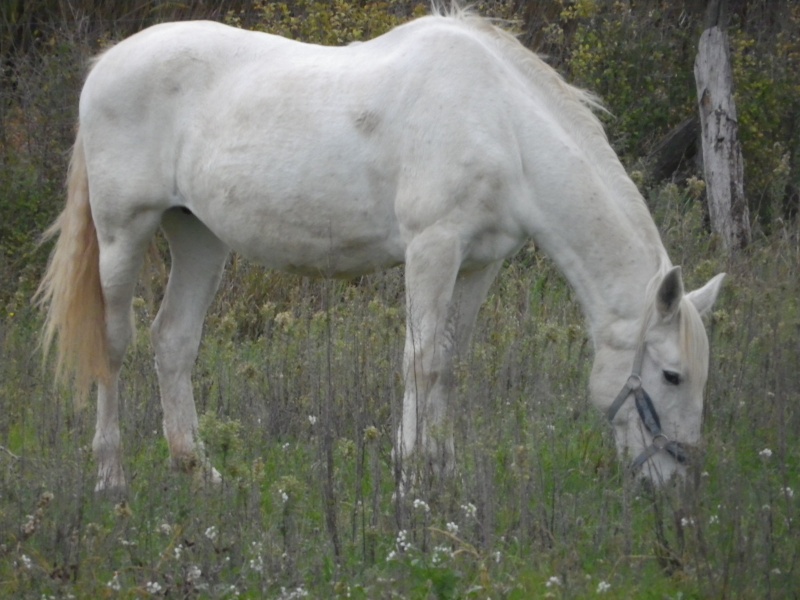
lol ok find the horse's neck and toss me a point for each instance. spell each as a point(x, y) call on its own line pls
point(599, 232)
point(610, 276)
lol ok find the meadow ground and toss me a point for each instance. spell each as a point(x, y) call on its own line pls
point(298, 385)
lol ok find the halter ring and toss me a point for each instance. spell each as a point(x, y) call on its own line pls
point(634, 382)
point(661, 441)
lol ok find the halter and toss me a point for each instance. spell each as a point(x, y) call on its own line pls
point(648, 415)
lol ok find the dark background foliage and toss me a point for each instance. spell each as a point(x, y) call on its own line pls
point(637, 56)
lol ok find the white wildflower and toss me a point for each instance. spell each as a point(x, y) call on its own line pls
point(29, 527)
point(298, 592)
point(114, 583)
point(422, 505)
point(469, 510)
point(603, 587)
point(26, 561)
point(788, 492)
point(211, 533)
point(765, 453)
point(153, 587)
point(312, 419)
point(257, 564)
point(177, 551)
point(554, 581)
point(193, 574)
point(402, 543)
point(452, 528)
point(440, 553)
point(687, 521)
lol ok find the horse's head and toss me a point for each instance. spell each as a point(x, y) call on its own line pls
point(651, 384)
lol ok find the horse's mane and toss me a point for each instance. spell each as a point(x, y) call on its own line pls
point(578, 106)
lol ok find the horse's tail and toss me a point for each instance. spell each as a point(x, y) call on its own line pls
point(70, 288)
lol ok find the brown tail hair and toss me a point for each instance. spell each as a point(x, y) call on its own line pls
point(70, 289)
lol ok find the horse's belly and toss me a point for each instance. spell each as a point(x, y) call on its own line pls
point(345, 249)
point(310, 257)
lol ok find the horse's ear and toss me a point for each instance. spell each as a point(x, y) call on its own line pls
point(704, 298)
point(669, 294)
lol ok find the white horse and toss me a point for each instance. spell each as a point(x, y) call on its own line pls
point(443, 144)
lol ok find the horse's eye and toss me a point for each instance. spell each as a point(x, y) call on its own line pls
point(672, 377)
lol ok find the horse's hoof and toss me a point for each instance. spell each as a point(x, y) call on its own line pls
point(207, 475)
point(111, 485)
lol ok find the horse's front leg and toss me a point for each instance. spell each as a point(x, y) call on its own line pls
point(425, 435)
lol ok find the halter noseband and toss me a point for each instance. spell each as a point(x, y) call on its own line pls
point(649, 417)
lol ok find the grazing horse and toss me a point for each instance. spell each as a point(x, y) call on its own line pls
point(443, 144)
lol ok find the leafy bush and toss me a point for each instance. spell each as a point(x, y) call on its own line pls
point(647, 95)
point(36, 128)
point(333, 23)
point(767, 92)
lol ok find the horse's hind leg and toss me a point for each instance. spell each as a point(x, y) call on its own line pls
point(122, 247)
point(198, 258)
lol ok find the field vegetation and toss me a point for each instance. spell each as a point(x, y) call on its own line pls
point(298, 381)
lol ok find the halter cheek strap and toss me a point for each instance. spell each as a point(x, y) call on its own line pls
point(648, 415)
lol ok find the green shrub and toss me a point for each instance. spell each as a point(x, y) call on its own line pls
point(767, 90)
point(639, 62)
point(329, 23)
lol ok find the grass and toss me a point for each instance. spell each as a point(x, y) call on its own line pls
point(540, 507)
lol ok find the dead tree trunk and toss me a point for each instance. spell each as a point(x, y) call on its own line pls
point(722, 153)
